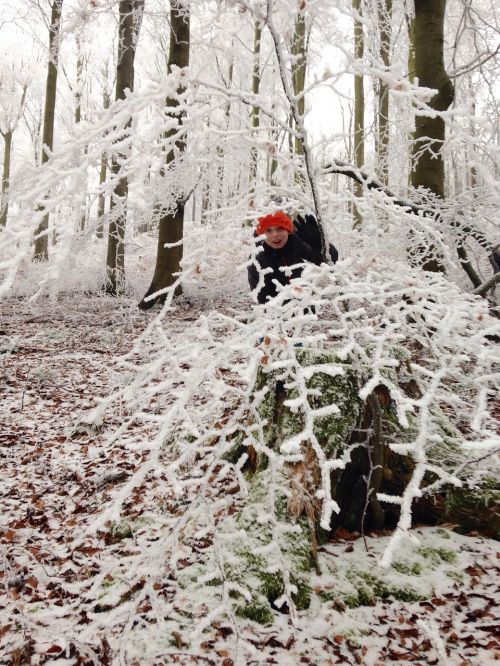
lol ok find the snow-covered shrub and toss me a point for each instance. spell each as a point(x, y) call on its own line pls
point(254, 419)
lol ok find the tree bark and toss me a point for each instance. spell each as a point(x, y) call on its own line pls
point(171, 223)
point(7, 152)
point(359, 110)
point(220, 150)
point(41, 252)
point(130, 17)
point(255, 116)
point(78, 110)
point(295, 114)
point(382, 149)
point(410, 26)
point(428, 164)
point(299, 63)
point(103, 167)
point(429, 137)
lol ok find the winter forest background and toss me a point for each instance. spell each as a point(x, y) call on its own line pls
point(187, 476)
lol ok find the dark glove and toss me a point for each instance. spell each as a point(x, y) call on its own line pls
point(308, 230)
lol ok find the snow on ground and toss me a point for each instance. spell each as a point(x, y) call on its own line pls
point(73, 594)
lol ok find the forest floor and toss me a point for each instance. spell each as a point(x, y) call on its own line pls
point(56, 360)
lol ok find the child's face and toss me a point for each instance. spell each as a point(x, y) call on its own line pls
point(276, 237)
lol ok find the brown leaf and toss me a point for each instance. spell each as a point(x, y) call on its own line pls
point(225, 631)
point(8, 536)
point(4, 629)
point(31, 581)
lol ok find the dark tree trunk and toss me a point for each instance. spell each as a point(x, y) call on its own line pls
point(41, 252)
point(255, 113)
point(130, 17)
point(429, 135)
point(7, 152)
point(382, 147)
point(103, 168)
point(171, 224)
point(428, 164)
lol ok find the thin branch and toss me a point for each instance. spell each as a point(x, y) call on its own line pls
point(486, 286)
point(479, 61)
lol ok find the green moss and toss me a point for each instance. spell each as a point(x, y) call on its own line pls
point(302, 599)
point(408, 568)
point(455, 575)
point(437, 555)
point(255, 610)
point(215, 582)
point(121, 530)
point(407, 594)
point(126, 528)
point(333, 432)
point(476, 508)
point(370, 588)
point(108, 582)
point(351, 601)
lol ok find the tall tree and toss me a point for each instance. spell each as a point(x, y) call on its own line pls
point(103, 168)
point(80, 67)
point(382, 149)
point(428, 168)
point(255, 115)
point(359, 107)
point(299, 64)
point(171, 219)
point(222, 171)
point(130, 19)
point(41, 251)
point(13, 106)
point(428, 163)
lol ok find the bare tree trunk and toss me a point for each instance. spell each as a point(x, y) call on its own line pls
point(299, 63)
point(410, 25)
point(382, 149)
point(220, 151)
point(255, 117)
point(297, 118)
point(428, 168)
point(41, 252)
point(359, 110)
point(130, 18)
point(272, 162)
point(101, 202)
point(7, 152)
point(78, 109)
point(171, 224)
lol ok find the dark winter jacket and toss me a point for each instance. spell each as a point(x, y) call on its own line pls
point(295, 251)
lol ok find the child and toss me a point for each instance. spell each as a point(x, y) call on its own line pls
point(281, 247)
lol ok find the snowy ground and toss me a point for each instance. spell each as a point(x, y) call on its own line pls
point(74, 594)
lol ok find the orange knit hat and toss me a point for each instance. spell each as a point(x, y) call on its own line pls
point(277, 219)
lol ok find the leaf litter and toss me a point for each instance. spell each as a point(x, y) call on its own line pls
point(77, 590)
